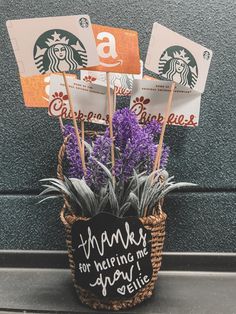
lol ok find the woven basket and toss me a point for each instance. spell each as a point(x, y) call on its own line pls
point(154, 223)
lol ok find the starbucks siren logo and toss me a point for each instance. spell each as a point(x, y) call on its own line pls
point(83, 22)
point(59, 51)
point(206, 55)
point(178, 64)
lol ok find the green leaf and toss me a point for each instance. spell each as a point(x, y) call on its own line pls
point(88, 147)
point(112, 199)
point(124, 209)
point(49, 197)
point(176, 186)
point(103, 203)
point(106, 170)
point(50, 189)
point(134, 201)
point(86, 196)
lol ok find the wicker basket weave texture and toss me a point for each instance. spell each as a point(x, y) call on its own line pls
point(154, 223)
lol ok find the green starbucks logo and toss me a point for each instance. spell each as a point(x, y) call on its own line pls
point(83, 22)
point(178, 64)
point(59, 51)
point(206, 55)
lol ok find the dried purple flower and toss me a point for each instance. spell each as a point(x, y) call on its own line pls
point(75, 169)
point(136, 144)
point(95, 176)
point(153, 127)
point(164, 156)
point(125, 126)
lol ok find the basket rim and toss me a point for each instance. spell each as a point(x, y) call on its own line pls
point(153, 220)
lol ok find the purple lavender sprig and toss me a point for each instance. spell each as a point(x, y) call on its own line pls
point(137, 144)
point(135, 148)
point(153, 128)
point(125, 127)
point(75, 169)
point(95, 175)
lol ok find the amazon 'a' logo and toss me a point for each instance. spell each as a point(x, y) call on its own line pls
point(107, 49)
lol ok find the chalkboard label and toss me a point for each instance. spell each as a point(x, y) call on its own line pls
point(112, 255)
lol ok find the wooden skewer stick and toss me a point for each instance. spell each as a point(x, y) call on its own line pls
point(110, 112)
point(114, 101)
point(72, 110)
point(82, 135)
point(157, 162)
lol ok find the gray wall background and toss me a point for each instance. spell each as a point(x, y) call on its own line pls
point(201, 219)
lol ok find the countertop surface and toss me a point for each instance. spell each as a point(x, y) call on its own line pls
point(30, 290)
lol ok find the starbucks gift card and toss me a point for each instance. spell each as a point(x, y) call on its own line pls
point(90, 100)
point(176, 58)
point(122, 82)
point(149, 99)
point(53, 44)
point(118, 50)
